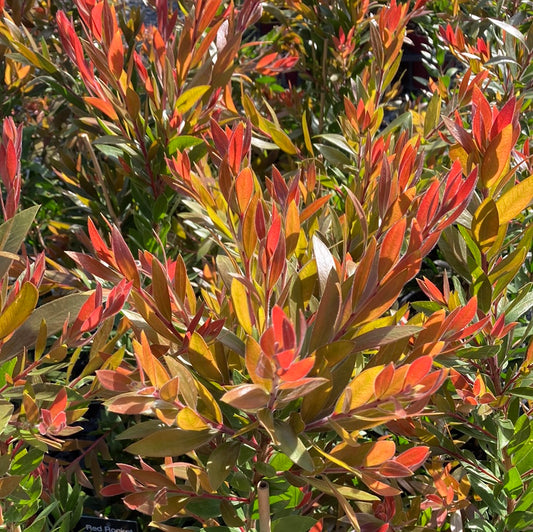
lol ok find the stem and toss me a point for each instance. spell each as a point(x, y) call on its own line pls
point(264, 505)
point(100, 178)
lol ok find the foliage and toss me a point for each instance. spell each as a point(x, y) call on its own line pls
point(301, 278)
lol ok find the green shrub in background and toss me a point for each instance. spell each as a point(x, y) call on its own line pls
point(264, 200)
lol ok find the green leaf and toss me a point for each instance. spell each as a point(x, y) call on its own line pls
point(525, 392)
point(54, 313)
point(382, 336)
point(182, 143)
point(292, 446)
point(190, 97)
point(519, 521)
point(139, 430)
point(6, 410)
point(170, 442)
point(515, 32)
point(294, 523)
point(205, 508)
point(475, 353)
point(512, 483)
point(432, 114)
point(221, 463)
point(333, 156)
point(12, 234)
point(6, 369)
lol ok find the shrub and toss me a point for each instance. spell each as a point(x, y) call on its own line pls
point(324, 289)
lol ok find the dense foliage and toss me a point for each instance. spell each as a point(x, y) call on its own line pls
point(272, 247)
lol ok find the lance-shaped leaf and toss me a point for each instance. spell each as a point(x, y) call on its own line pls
point(54, 313)
point(239, 297)
point(497, 156)
point(486, 224)
point(515, 200)
point(149, 364)
point(248, 397)
point(170, 442)
point(221, 462)
point(115, 55)
point(244, 188)
point(202, 359)
point(190, 97)
point(19, 310)
point(292, 446)
point(124, 258)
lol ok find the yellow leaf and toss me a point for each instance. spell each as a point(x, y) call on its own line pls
point(239, 296)
point(202, 359)
point(188, 419)
point(19, 310)
point(190, 97)
point(486, 224)
point(361, 388)
point(515, 200)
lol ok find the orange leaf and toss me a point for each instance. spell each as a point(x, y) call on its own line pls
point(380, 451)
point(148, 362)
point(244, 188)
point(298, 370)
point(379, 487)
point(114, 381)
point(496, 158)
point(391, 247)
point(102, 105)
point(383, 380)
point(115, 55)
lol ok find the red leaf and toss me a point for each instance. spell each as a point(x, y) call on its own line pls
point(317, 527)
point(428, 206)
point(504, 118)
point(281, 190)
point(99, 245)
point(124, 258)
point(112, 490)
point(391, 246)
point(417, 370)
point(59, 404)
point(413, 458)
point(383, 381)
point(460, 135)
point(459, 318)
point(274, 233)
point(298, 370)
point(235, 148)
